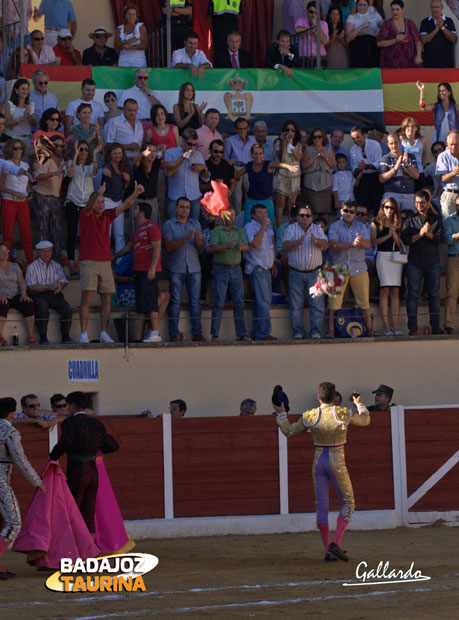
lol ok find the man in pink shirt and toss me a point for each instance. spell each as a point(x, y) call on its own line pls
point(306, 27)
point(208, 132)
point(95, 257)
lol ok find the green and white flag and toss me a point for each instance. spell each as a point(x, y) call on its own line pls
point(326, 98)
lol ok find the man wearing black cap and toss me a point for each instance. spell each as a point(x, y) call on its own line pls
point(383, 396)
point(377, 132)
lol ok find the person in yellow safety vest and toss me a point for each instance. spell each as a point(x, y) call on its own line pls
point(223, 19)
point(181, 21)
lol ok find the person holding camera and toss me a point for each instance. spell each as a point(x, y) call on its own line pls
point(328, 426)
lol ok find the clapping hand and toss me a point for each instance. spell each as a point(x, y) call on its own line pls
point(357, 241)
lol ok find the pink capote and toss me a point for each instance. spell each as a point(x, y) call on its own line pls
point(111, 534)
point(53, 527)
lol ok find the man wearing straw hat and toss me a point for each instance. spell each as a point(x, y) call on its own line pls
point(99, 54)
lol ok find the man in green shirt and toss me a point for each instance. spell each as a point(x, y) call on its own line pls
point(227, 244)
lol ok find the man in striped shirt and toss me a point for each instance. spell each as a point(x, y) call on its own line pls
point(304, 242)
point(45, 279)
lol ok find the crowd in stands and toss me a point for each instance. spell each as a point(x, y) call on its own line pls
point(135, 171)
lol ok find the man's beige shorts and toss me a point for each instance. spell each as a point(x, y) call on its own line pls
point(97, 275)
point(360, 285)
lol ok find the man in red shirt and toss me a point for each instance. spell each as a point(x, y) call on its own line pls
point(146, 245)
point(64, 49)
point(95, 257)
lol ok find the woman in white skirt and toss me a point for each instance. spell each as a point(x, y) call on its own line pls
point(385, 234)
point(131, 39)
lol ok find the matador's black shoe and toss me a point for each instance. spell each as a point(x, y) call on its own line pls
point(7, 575)
point(335, 550)
point(330, 558)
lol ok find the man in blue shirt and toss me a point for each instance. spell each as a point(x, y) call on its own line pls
point(348, 240)
point(182, 241)
point(451, 224)
point(58, 14)
point(40, 96)
point(183, 165)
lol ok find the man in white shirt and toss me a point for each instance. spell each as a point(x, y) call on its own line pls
point(189, 57)
point(448, 170)
point(366, 156)
point(88, 90)
point(140, 93)
point(126, 129)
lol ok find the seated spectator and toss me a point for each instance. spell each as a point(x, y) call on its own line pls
point(183, 166)
point(146, 247)
point(116, 177)
point(15, 189)
point(126, 129)
point(146, 170)
point(190, 57)
point(81, 170)
point(99, 54)
point(438, 38)
point(306, 28)
point(226, 245)
point(343, 182)
point(259, 266)
point(398, 40)
point(141, 94)
point(423, 232)
point(336, 46)
point(131, 38)
point(260, 133)
point(95, 257)
point(287, 181)
point(248, 407)
point(233, 57)
point(41, 53)
point(219, 168)
point(361, 31)
point(451, 224)
point(208, 132)
point(13, 294)
point(412, 142)
point(365, 159)
point(46, 280)
point(46, 203)
point(187, 113)
point(64, 50)
point(59, 405)
point(182, 242)
point(304, 243)
point(177, 408)
point(20, 116)
point(32, 413)
point(431, 174)
point(162, 134)
point(385, 235)
point(349, 238)
point(398, 172)
point(88, 90)
point(111, 102)
point(383, 396)
point(318, 164)
point(280, 56)
point(445, 111)
point(40, 96)
point(448, 171)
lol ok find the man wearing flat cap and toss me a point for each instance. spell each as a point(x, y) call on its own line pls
point(46, 280)
point(99, 54)
point(383, 396)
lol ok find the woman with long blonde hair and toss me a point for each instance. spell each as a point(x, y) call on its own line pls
point(385, 234)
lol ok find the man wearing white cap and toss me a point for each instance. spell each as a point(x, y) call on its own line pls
point(64, 49)
point(58, 14)
point(99, 54)
point(45, 279)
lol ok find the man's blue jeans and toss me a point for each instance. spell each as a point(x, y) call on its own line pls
point(224, 278)
point(260, 281)
point(414, 274)
point(298, 289)
point(193, 286)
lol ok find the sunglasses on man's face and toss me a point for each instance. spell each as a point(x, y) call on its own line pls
point(217, 152)
point(100, 36)
point(361, 213)
point(304, 214)
point(348, 211)
point(38, 38)
point(42, 83)
point(191, 143)
point(109, 99)
point(142, 77)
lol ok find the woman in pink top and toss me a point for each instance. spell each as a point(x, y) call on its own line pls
point(306, 27)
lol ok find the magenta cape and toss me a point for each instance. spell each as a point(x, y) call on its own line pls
point(53, 527)
point(111, 534)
